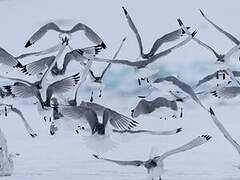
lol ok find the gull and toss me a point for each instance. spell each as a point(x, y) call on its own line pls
point(6, 160)
point(89, 33)
point(25, 89)
point(10, 108)
point(219, 75)
point(117, 120)
point(173, 84)
point(227, 92)
point(226, 134)
point(140, 66)
point(97, 83)
point(88, 115)
point(37, 67)
point(223, 60)
point(154, 165)
point(160, 103)
point(169, 37)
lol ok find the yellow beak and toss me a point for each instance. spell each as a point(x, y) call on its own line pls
point(18, 154)
point(35, 102)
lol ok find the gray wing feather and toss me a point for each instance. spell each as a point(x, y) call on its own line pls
point(171, 132)
point(231, 37)
point(192, 144)
point(224, 131)
point(7, 59)
point(122, 163)
point(227, 92)
point(39, 66)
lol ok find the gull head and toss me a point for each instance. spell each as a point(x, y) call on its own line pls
point(64, 37)
point(14, 155)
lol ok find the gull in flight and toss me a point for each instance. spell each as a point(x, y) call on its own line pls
point(90, 113)
point(25, 89)
point(218, 75)
point(10, 108)
point(173, 84)
point(223, 60)
point(97, 83)
point(140, 66)
point(6, 160)
point(169, 37)
point(154, 165)
point(90, 34)
point(158, 104)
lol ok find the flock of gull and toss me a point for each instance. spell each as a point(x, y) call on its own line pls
point(96, 118)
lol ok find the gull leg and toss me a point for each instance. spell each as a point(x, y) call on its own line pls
point(139, 82)
point(181, 114)
point(159, 178)
point(217, 75)
point(147, 80)
point(91, 99)
point(100, 95)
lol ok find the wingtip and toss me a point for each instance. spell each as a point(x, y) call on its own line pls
point(207, 137)
point(179, 130)
point(201, 12)
point(96, 156)
point(103, 45)
point(211, 111)
point(33, 135)
point(125, 11)
point(180, 22)
point(124, 39)
point(194, 33)
point(28, 44)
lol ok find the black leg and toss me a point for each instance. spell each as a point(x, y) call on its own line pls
point(181, 114)
point(217, 75)
point(224, 76)
point(91, 99)
point(139, 82)
point(147, 80)
point(159, 178)
point(100, 95)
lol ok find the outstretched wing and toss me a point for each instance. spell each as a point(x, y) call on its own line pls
point(171, 132)
point(117, 120)
point(224, 131)
point(205, 79)
point(196, 39)
point(20, 90)
point(8, 60)
point(63, 85)
point(227, 92)
point(90, 34)
point(26, 125)
point(122, 163)
point(38, 67)
point(134, 29)
point(231, 37)
point(192, 144)
point(41, 32)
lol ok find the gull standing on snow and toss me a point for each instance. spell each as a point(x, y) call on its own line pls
point(6, 160)
point(154, 165)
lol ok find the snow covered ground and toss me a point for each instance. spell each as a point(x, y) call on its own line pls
point(65, 155)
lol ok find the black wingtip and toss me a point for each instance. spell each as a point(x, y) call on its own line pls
point(201, 12)
point(179, 130)
point(103, 45)
point(19, 65)
point(194, 33)
point(125, 11)
point(211, 111)
point(207, 137)
point(180, 22)
point(33, 135)
point(28, 44)
point(96, 156)
point(142, 97)
point(179, 100)
point(52, 133)
point(229, 82)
